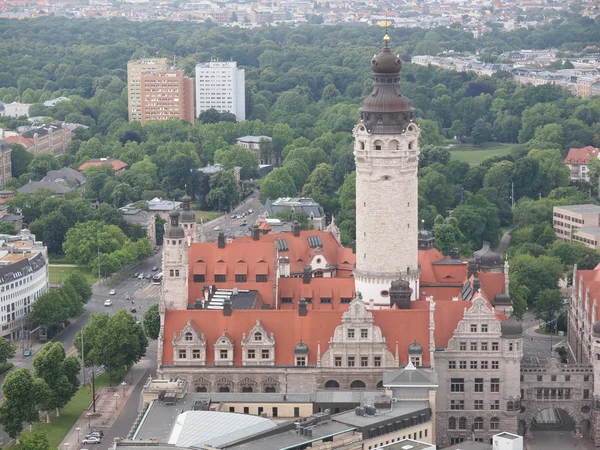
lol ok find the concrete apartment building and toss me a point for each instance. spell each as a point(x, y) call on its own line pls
point(221, 86)
point(5, 162)
point(579, 223)
point(166, 94)
point(135, 68)
point(577, 161)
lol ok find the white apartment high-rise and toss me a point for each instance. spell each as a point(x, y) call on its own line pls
point(221, 86)
point(135, 69)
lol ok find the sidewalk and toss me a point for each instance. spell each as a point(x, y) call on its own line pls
point(107, 405)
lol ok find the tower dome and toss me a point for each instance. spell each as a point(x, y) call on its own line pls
point(426, 240)
point(386, 62)
point(502, 299)
point(511, 328)
point(596, 329)
point(174, 231)
point(301, 349)
point(487, 258)
point(187, 215)
point(415, 349)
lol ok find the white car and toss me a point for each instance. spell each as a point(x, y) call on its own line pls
point(141, 276)
point(91, 440)
point(108, 302)
point(113, 292)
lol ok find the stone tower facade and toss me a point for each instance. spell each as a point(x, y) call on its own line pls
point(386, 151)
point(174, 289)
point(187, 218)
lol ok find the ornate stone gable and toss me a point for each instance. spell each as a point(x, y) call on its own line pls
point(358, 342)
point(189, 347)
point(478, 321)
point(258, 347)
point(224, 348)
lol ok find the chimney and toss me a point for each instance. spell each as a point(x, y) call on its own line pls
point(221, 240)
point(354, 247)
point(227, 308)
point(302, 311)
point(296, 228)
point(476, 284)
point(455, 253)
point(255, 233)
point(306, 275)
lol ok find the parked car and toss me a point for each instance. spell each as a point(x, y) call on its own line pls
point(108, 302)
point(94, 434)
point(91, 440)
point(98, 431)
point(217, 228)
point(135, 275)
point(127, 296)
point(250, 211)
point(113, 292)
point(133, 309)
point(148, 276)
point(27, 352)
point(154, 269)
point(141, 276)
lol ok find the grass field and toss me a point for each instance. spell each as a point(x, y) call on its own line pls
point(58, 427)
point(475, 155)
point(207, 215)
point(55, 273)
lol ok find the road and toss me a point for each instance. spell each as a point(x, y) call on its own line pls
point(231, 227)
point(504, 241)
point(536, 346)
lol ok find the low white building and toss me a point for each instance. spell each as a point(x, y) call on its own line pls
point(16, 109)
point(23, 279)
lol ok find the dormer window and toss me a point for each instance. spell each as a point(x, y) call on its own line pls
point(223, 354)
point(301, 360)
point(258, 336)
point(188, 336)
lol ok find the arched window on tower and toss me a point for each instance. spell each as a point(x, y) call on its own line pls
point(410, 145)
point(362, 145)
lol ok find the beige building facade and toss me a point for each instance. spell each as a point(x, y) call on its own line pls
point(135, 69)
point(567, 220)
point(165, 95)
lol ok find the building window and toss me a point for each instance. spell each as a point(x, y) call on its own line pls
point(553, 378)
point(198, 278)
point(188, 336)
point(261, 278)
point(457, 404)
point(220, 278)
point(451, 365)
point(462, 423)
point(351, 333)
point(351, 361)
point(251, 354)
point(495, 385)
point(586, 394)
point(286, 300)
point(258, 336)
point(478, 384)
point(182, 354)
point(484, 346)
point(457, 385)
point(240, 278)
point(473, 328)
point(223, 354)
point(176, 273)
point(478, 404)
point(478, 423)
point(346, 300)
point(484, 328)
point(462, 346)
point(325, 300)
point(494, 423)
point(495, 365)
point(338, 361)
point(364, 333)
point(473, 346)
point(364, 361)
point(462, 364)
point(452, 423)
point(484, 365)
point(473, 365)
point(301, 360)
point(195, 354)
point(586, 378)
point(171, 272)
point(495, 404)
point(265, 354)
point(510, 347)
point(494, 346)
point(567, 377)
point(377, 361)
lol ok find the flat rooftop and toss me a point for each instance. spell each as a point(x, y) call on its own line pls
point(581, 209)
point(595, 231)
point(398, 410)
point(470, 445)
point(408, 444)
point(510, 436)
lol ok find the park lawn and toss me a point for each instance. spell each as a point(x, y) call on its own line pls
point(55, 275)
point(58, 427)
point(475, 155)
point(207, 216)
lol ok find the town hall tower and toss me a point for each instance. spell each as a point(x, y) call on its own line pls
point(386, 151)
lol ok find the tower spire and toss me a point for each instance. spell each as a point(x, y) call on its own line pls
point(386, 38)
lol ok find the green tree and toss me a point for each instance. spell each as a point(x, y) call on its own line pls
point(41, 164)
point(538, 115)
point(151, 321)
point(537, 274)
point(298, 170)
point(81, 286)
point(7, 350)
point(60, 374)
point(320, 181)
point(117, 342)
point(519, 295)
point(24, 396)
point(289, 215)
point(223, 190)
point(548, 304)
point(570, 253)
point(7, 228)
point(20, 159)
point(84, 240)
point(37, 440)
point(238, 156)
point(279, 183)
point(478, 220)
point(430, 154)
point(482, 132)
point(434, 188)
point(447, 234)
point(499, 178)
point(430, 133)
point(50, 309)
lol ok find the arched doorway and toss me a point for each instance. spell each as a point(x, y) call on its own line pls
point(270, 389)
point(358, 384)
point(556, 427)
point(224, 389)
point(246, 389)
point(201, 389)
point(380, 384)
point(332, 384)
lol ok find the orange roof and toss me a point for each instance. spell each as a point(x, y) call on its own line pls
point(591, 281)
point(264, 226)
point(115, 163)
point(491, 284)
point(26, 142)
point(581, 155)
point(332, 288)
point(288, 328)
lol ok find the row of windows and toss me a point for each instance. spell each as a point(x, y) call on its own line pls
point(201, 278)
point(421, 434)
point(586, 378)
point(458, 385)
point(558, 394)
point(459, 405)
point(478, 423)
point(351, 361)
point(572, 219)
point(474, 365)
point(323, 300)
point(397, 426)
point(475, 346)
point(584, 240)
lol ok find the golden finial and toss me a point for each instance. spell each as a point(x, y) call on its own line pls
point(386, 39)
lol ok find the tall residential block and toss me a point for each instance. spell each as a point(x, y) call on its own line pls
point(221, 86)
point(166, 94)
point(135, 68)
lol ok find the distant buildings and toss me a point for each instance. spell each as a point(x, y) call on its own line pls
point(34, 186)
point(580, 223)
point(138, 216)
point(15, 109)
point(312, 210)
point(165, 95)
point(65, 176)
point(221, 86)
point(252, 143)
point(23, 279)
point(135, 68)
point(577, 161)
point(5, 162)
point(50, 138)
point(117, 165)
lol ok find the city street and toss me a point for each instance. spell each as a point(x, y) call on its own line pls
point(536, 346)
point(231, 227)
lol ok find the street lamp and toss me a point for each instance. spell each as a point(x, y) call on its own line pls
point(78, 433)
point(116, 400)
point(66, 444)
point(123, 384)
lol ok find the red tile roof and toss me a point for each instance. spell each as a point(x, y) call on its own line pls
point(333, 288)
point(26, 142)
point(581, 155)
point(115, 163)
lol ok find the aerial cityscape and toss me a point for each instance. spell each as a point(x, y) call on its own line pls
point(299, 225)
